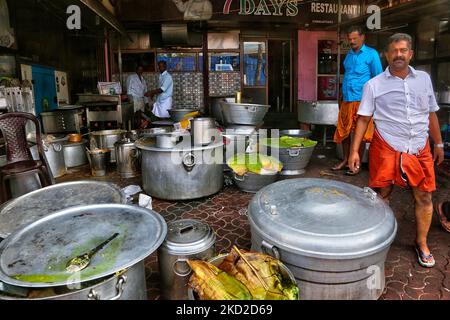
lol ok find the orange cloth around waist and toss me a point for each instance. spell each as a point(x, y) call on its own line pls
point(348, 114)
point(387, 167)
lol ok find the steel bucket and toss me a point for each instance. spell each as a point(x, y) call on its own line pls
point(99, 161)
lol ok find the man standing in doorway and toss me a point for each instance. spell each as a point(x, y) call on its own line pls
point(136, 89)
point(402, 103)
point(164, 100)
point(361, 64)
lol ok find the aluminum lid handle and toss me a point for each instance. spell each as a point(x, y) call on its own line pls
point(270, 249)
point(370, 193)
point(181, 268)
point(120, 287)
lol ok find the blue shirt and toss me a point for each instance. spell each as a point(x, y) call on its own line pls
point(359, 68)
point(166, 85)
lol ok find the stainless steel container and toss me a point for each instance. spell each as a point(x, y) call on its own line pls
point(75, 154)
point(186, 239)
point(444, 96)
point(243, 113)
point(32, 206)
point(318, 112)
point(183, 172)
point(105, 140)
point(204, 131)
point(252, 182)
point(216, 107)
point(127, 158)
point(178, 114)
point(54, 153)
point(48, 243)
point(294, 159)
point(128, 284)
point(333, 236)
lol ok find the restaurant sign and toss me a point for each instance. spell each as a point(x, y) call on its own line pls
point(324, 11)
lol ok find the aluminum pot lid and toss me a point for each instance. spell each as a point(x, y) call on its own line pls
point(37, 204)
point(188, 236)
point(37, 255)
point(322, 218)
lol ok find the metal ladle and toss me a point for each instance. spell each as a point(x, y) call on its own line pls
point(82, 261)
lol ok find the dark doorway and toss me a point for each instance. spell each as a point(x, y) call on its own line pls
point(280, 93)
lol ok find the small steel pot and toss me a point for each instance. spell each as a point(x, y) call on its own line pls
point(186, 240)
point(204, 131)
point(75, 154)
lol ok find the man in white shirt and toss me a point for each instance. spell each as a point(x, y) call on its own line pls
point(165, 91)
point(402, 103)
point(136, 90)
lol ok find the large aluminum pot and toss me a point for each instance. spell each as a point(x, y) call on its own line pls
point(333, 236)
point(216, 107)
point(32, 206)
point(106, 139)
point(444, 96)
point(204, 131)
point(129, 284)
point(75, 154)
point(48, 243)
point(54, 153)
point(252, 182)
point(243, 113)
point(178, 114)
point(294, 159)
point(186, 240)
point(318, 112)
point(128, 158)
point(183, 172)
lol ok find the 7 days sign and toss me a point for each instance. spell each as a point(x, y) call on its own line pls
point(287, 8)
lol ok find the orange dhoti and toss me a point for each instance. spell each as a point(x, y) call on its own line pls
point(348, 114)
point(388, 167)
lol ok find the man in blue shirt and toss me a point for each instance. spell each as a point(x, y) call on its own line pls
point(361, 64)
point(164, 92)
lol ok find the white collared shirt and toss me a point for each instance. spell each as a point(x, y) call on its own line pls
point(137, 87)
point(400, 108)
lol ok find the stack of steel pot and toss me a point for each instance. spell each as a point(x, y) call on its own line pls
point(116, 272)
point(333, 236)
point(183, 171)
point(186, 240)
point(127, 157)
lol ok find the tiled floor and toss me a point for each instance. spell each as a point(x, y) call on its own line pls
point(226, 214)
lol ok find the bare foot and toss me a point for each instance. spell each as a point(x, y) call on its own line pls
point(340, 166)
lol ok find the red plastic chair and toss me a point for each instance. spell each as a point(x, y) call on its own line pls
point(20, 162)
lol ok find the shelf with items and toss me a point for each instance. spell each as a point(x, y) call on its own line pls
point(327, 69)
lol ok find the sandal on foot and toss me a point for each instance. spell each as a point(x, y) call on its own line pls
point(445, 223)
point(426, 261)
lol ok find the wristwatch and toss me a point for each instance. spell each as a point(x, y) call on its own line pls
point(439, 145)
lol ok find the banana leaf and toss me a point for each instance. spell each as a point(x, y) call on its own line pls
point(211, 283)
point(261, 274)
point(288, 142)
point(255, 163)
